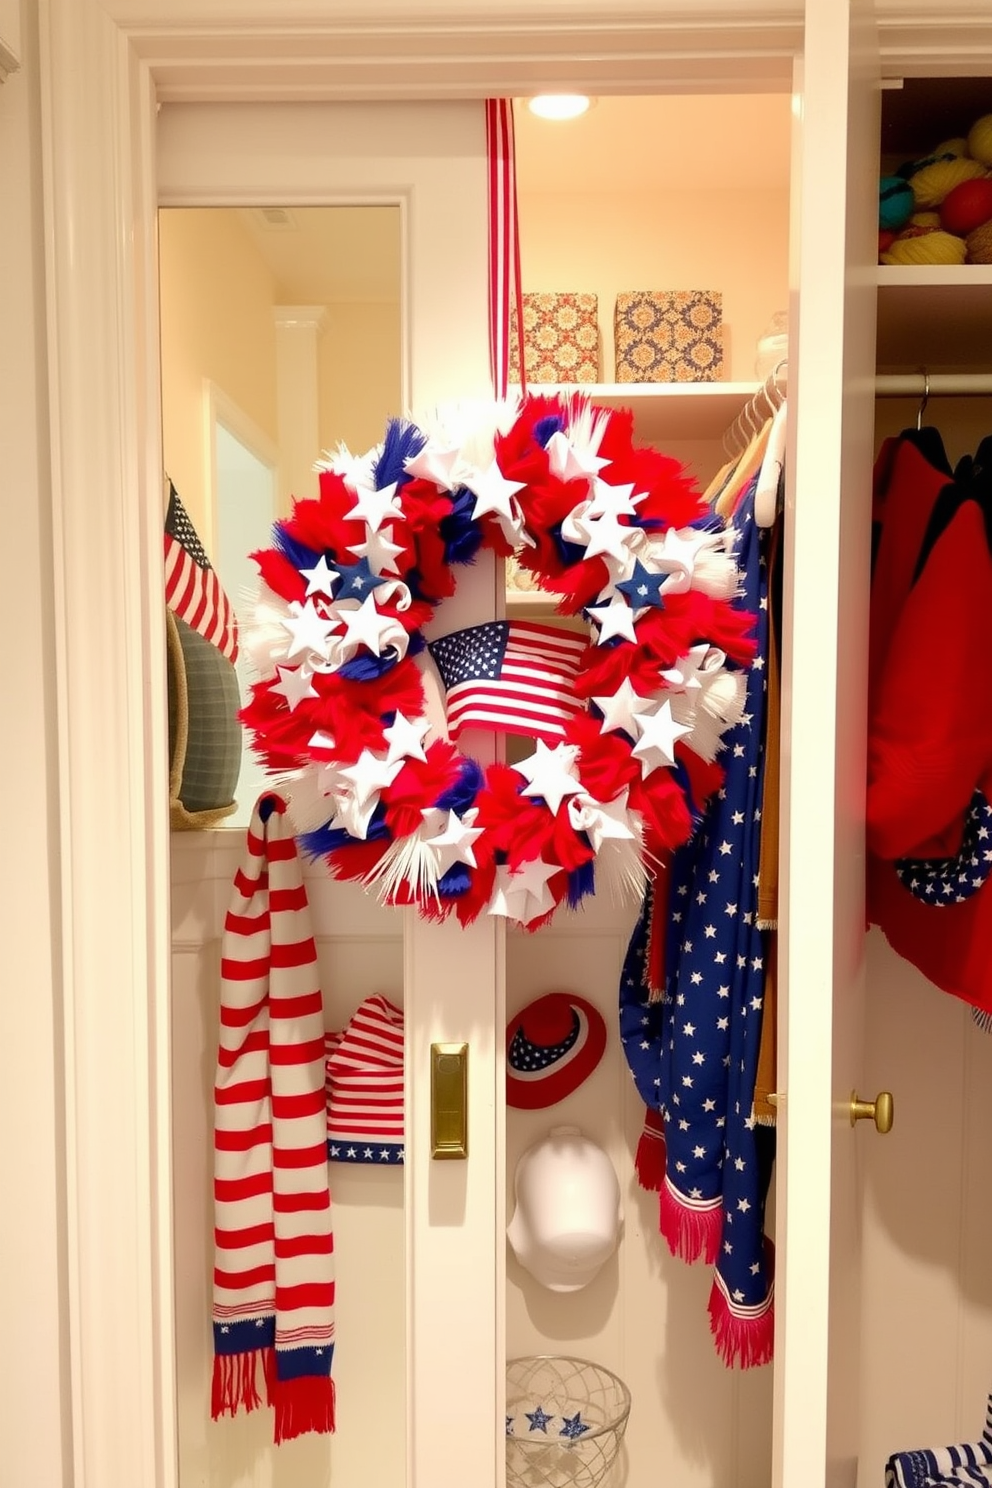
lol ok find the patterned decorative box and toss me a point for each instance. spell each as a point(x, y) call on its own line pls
point(669, 335)
point(561, 338)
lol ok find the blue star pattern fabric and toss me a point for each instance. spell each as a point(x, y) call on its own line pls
point(694, 1053)
point(943, 881)
point(524, 1056)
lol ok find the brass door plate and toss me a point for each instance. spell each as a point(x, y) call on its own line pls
point(449, 1100)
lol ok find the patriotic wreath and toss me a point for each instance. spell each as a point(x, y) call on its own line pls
point(349, 712)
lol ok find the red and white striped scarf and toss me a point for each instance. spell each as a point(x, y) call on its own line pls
point(273, 1298)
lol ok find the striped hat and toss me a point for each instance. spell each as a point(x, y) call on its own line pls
point(552, 1045)
point(364, 1081)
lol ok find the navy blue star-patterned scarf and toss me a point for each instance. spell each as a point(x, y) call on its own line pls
point(694, 1052)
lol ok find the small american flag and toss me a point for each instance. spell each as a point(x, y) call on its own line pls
point(192, 588)
point(511, 675)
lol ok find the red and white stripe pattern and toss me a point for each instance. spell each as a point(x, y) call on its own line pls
point(515, 676)
point(365, 1086)
point(273, 1294)
point(192, 589)
point(504, 242)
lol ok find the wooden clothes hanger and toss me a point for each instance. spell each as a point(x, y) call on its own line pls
point(747, 466)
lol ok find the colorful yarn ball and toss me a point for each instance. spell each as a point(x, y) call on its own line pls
point(924, 219)
point(895, 203)
point(951, 147)
point(979, 244)
point(942, 153)
point(925, 245)
point(967, 206)
point(934, 182)
point(980, 140)
point(885, 240)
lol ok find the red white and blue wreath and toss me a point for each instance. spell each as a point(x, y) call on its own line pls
point(352, 718)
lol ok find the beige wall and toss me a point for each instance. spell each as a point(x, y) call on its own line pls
point(216, 296)
point(734, 241)
point(359, 364)
point(34, 1401)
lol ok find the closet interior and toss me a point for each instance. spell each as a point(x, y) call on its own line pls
point(927, 1213)
point(670, 192)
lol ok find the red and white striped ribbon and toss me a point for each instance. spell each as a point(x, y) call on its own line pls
point(504, 244)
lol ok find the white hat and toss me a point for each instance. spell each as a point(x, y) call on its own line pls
point(567, 1217)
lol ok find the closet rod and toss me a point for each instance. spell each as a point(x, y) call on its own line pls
point(934, 385)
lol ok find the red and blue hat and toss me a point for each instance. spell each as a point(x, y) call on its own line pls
point(552, 1045)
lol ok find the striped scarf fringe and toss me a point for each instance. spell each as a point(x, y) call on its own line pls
point(273, 1291)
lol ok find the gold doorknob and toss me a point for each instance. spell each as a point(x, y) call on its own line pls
point(880, 1110)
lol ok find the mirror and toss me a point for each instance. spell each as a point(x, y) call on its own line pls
point(281, 338)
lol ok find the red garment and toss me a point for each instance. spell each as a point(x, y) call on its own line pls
point(906, 487)
point(930, 745)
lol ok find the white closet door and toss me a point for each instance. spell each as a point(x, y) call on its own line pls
point(824, 691)
point(430, 159)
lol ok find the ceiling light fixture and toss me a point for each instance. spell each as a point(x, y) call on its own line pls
point(558, 105)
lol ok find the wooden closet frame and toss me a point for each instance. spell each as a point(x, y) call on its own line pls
point(105, 64)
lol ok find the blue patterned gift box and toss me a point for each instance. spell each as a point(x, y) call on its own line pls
point(669, 335)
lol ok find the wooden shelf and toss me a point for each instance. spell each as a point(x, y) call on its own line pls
point(934, 317)
point(666, 411)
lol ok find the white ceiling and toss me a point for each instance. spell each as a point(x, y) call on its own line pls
point(661, 144)
point(324, 255)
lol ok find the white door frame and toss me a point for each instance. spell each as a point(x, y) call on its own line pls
point(105, 65)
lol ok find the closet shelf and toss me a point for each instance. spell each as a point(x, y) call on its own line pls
point(665, 411)
point(935, 317)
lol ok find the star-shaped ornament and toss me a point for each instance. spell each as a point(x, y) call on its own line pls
point(357, 580)
point(320, 579)
point(295, 684)
point(550, 773)
point(618, 711)
point(493, 493)
point(308, 628)
point(608, 536)
point(365, 626)
point(614, 619)
point(454, 842)
point(676, 554)
point(523, 895)
point(684, 675)
point(643, 587)
point(573, 1426)
point(568, 463)
point(602, 819)
point(370, 774)
point(380, 550)
point(659, 731)
point(375, 507)
point(405, 738)
point(435, 463)
point(613, 501)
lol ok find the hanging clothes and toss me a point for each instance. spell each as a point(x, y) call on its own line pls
point(929, 796)
point(693, 1053)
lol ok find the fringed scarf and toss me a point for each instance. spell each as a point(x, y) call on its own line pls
point(273, 1295)
point(693, 1051)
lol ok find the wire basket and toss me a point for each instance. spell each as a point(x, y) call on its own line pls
point(565, 1420)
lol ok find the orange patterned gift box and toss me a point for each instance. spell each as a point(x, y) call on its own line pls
point(669, 335)
point(561, 338)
